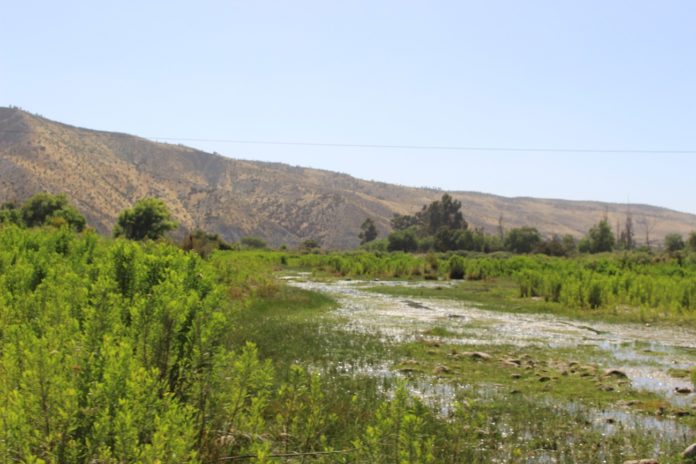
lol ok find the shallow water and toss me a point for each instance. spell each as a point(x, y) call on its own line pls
point(643, 353)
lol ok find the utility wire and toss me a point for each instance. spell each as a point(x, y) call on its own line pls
point(407, 147)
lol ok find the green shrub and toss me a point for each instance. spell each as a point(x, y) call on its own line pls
point(46, 209)
point(456, 267)
point(594, 295)
point(253, 243)
point(149, 218)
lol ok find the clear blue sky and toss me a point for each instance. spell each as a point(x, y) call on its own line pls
point(557, 74)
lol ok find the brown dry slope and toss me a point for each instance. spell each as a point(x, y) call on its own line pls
point(104, 172)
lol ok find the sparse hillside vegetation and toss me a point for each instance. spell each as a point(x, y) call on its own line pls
point(104, 173)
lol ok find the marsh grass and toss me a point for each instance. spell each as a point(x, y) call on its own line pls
point(522, 429)
point(498, 412)
point(622, 286)
point(544, 410)
point(115, 351)
point(561, 374)
point(501, 294)
point(296, 326)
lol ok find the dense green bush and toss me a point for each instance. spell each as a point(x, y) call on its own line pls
point(43, 209)
point(456, 267)
point(403, 240)
point(149, 218)
point(599, 238)
point(674, 242)
point(522, 240)
point(120, 351)
point(588, 281)
point(253, 243)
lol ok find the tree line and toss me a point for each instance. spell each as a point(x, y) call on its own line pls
point(149, 218)
point(440, 226)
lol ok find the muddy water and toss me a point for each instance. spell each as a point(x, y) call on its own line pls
point(645, 354)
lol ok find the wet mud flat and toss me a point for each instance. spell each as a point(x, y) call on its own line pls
point(451, 339)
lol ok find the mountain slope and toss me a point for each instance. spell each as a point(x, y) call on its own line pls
point(104, 172)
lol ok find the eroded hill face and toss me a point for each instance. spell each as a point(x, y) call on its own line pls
point(105, 172)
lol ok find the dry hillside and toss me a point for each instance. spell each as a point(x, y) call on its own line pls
point(104, 172)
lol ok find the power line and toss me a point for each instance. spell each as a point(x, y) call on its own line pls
point(435, 147)
point(409, 147)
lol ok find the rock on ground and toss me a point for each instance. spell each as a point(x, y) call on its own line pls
point(689, 452)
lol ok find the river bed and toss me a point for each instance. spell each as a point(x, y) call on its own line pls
point(646, 354)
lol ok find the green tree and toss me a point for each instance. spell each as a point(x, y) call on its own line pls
point(368, 231)
point(674, 242)
point(570, 244)
point(599, 238)
point(626, 239)
point(254, 243)
point(310, 244)
point(522, 240)
point(484, 242)
point(378, 245)
point(149, 218)
point(457, 267)
point(445, 212)
point(44, 208)
point(204, 243)
point(447, 239)
point(10, 214)
point(402, 240)
point(403, 221)
point(558, 245)
point(692, 241)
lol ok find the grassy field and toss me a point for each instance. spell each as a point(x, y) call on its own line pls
point(115, 351)
point(625, 287)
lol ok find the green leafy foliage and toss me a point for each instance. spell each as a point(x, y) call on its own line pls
point(149, 218)
point(253, 243)
point(204, 243)
point(43, 209)
point(311, 244)
point(522, 240)
point(403, 240)
point(439, 226)
point(445, 212)
point(674, 242)
point(599, 238)
point(633, 282)
point(403, 221)
point(557, 245)
point(398, 434)
point(457, 267)
point(692, 241)
point(119, 351)
point(368, 231)
point(10, 214)
point(660, 289)
point(92, 368)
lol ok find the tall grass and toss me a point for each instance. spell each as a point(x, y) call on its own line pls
point(662, 286)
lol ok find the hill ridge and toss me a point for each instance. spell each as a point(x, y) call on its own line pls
point(104, 172)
